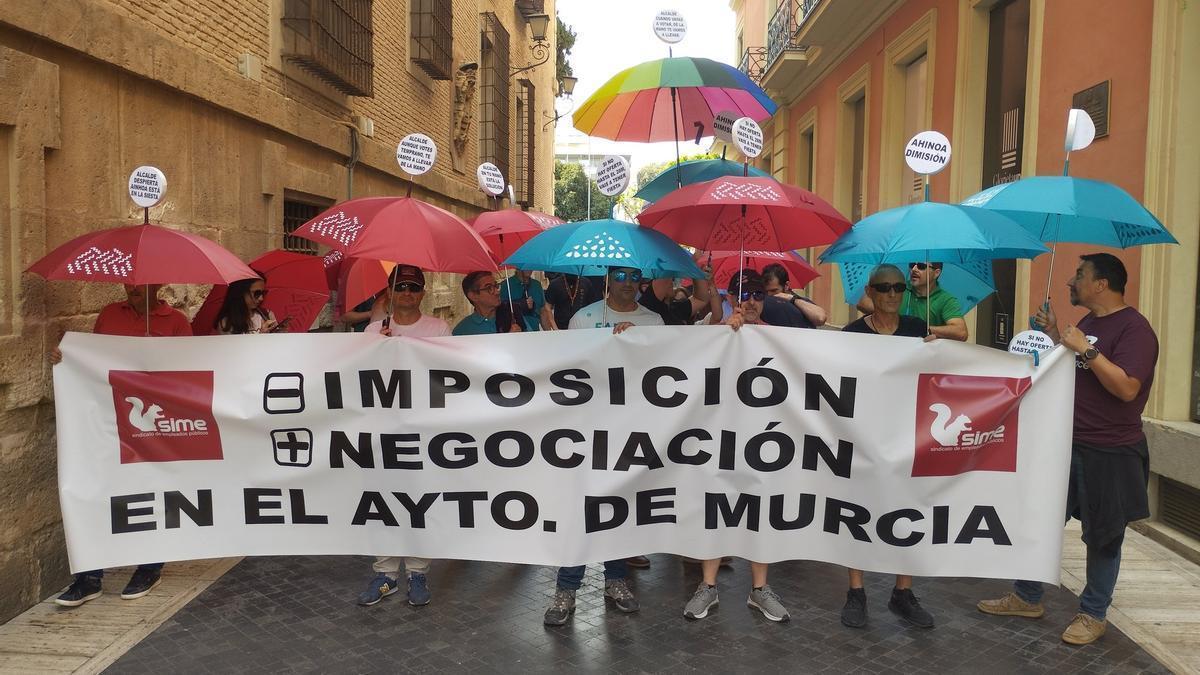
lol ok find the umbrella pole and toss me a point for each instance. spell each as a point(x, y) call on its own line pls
point(675, 124)
point(1053, 251)
point(604, 315)
point(147, 291)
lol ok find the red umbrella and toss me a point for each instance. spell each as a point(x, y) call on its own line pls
point(736, 213)
point(403, 230)
point(506, 231)
point(725, 265)
point(360, 279)
point(141, 255)
point(297, 289)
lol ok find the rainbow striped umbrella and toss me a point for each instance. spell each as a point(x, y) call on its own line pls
point(636, 104)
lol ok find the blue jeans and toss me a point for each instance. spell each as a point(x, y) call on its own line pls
point(1103, 563)
point(571, 578)
point(99, 574)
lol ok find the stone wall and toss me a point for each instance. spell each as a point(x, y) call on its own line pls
point(94, 88)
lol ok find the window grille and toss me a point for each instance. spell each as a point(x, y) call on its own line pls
point(332, 39)
point(431, 30)
point(523, 178)
point(296, 214)
point(493, 93)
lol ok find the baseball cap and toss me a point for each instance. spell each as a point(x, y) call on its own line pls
point(407, 273)
point(751, 281)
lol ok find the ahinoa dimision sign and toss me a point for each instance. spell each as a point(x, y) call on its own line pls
point(871, 452)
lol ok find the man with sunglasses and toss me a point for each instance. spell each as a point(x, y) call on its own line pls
point(926, 300)
point(751, 292)
point(483, 293)
point(407, 286)
point(620, 309)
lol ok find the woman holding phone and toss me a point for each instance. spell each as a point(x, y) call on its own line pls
point(242, 311)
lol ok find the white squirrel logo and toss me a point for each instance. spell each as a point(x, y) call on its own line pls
point(142, 417)
point(946, 433)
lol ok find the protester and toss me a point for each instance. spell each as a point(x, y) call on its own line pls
point(242, 312)
point(1116, 351)
point(751, 292)
point(924, 299)
point(565, 295)
point(365, 312)
point(620, 311)
point(775, 311)
point(524, 293)
point(681, 311)
point(885, 289)
point(483, 293)
point(775, 279)
point(407, 285)
point(510, 318)
point(127, 318)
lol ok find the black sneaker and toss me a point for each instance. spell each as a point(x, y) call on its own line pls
point(141, 582)
point(618, 591)
point(854, 613)
point(905, 605)
point(84, 588)
point(562, 606)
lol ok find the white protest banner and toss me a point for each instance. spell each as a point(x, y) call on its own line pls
point(613, 176)
point(723, 125)
point(670, 26)
point(147, 186)
point(880, 453)
point(1030, 341)
point(416, 154)
point(491, 180)
point(748, 137)
point(927, 153)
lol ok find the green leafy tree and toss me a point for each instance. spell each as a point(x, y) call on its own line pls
point(571, 186)
point(565, 42)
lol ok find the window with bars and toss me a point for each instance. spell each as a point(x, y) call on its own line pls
point(332, 39)
point(523, 181)
point(296, 214)
point(493, 93)
point(431, 36)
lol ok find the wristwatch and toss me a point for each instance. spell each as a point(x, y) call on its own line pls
point(1090, 353)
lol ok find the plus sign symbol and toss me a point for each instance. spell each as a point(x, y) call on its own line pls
point(293, 447)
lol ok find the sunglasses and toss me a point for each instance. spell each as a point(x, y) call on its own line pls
point(408, 287)
point(622, 276)
point(886, 287)
point(490, 287)
point(923, 266)
point(756, 296)
point(258, 295)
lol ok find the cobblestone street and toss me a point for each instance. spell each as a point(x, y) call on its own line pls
point(299, 615)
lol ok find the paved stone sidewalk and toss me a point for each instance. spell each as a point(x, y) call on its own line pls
point(299, 615)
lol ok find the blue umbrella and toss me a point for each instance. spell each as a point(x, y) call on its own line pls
point(945, 233)
point(593, 245)
point(693, 171)
point(1063, 208)
point(968, 282)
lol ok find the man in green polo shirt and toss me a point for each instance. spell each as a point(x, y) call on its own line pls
point(483, 293)
point(945, 318)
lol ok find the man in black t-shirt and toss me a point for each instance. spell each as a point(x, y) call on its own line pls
point(565, 295)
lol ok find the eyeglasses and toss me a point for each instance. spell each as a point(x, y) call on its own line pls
point(894, 288)
point(408, 287)
point(621, 276)
point(258, 295)
point(921, 266)
point(756, 296)
point(490, 287)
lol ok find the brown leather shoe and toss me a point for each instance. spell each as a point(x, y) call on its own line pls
point(1011, 605)
point(1084, 630)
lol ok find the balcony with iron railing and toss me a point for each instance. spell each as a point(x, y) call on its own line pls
point(786, 54)
point(754, 62)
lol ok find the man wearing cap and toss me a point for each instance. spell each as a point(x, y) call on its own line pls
point(925, 298)
point(127, 318)
point(407, 287)
point(483, 293)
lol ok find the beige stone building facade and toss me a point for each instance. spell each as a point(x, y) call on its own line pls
point(260, 113)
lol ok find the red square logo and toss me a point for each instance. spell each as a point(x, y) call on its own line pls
point(165, 416)
point(967, 423)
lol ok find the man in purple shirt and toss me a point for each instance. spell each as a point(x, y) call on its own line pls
point(1110, 463)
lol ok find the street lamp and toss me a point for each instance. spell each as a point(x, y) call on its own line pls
point(540, 49)
point(566, 87)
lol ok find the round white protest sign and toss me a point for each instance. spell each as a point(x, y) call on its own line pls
point(147, 185)
point(723, 125)
point(1081, 131)
point(1030, 341)
point(416, 154)
point(613, 176)
point(670, 26)
point(927, 153)
point(748, 137)
point(491, 181)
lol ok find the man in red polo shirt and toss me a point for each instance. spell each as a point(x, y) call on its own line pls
point(127, 318)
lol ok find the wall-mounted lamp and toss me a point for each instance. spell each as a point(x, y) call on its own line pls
point(566, 87)
point(540, 49)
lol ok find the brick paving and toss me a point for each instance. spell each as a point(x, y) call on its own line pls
point(298, 614)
